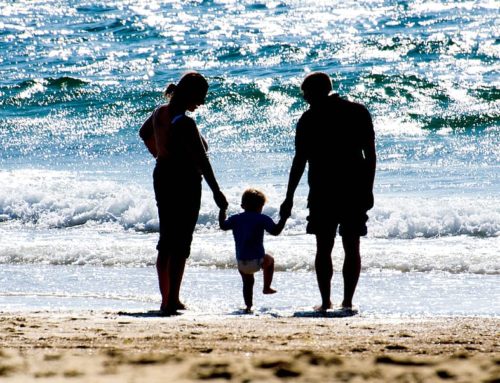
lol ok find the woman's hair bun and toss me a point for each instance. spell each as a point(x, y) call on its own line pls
point(170, 90)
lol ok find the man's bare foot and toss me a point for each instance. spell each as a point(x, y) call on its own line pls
point(269, 290)
point(347, 305)
point(323, 308)
point(248, 310)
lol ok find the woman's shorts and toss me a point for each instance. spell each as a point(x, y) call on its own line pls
point(250, 266)
point(178, 204)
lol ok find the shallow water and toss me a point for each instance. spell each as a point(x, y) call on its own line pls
point(209, 291)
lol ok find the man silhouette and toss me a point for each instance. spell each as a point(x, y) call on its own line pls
point(335, 137)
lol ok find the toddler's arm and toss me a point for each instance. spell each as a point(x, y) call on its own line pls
point(222, 219)
point(279, 226)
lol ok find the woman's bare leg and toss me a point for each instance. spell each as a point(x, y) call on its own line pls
point(176, 266)
point(163, 279)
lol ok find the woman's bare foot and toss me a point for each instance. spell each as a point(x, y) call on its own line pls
point(168, 311)
point(181, 306)
point(269, 290)
point(178, 306)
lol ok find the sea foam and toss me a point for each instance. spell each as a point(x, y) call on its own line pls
point(56, 200)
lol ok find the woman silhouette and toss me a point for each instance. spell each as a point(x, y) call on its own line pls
point(181, 163)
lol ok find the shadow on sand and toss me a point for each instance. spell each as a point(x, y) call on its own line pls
point(241, 312)
point(337, 313)
point(147, 314)
point(263, 311)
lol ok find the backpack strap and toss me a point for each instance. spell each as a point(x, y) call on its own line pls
point(177, 118)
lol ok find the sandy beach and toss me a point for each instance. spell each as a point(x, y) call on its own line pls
point(142, 347)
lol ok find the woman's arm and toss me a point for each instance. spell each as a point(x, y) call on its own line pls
point(146, 132)
point(200, 157)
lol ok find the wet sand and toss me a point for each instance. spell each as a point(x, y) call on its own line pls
point(142, 347)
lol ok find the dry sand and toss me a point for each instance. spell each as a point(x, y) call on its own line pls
point(140, 347)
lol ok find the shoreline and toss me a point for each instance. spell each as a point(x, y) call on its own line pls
point(218, 291)
point(105, 346)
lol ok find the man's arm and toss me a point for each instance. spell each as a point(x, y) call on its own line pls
point(298, 167)
point(371, 162)
point(370, 156)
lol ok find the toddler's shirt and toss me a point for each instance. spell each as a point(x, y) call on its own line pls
point(248, 231)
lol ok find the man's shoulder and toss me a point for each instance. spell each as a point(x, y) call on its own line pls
point(306, 120)
point(345, 103)
point(334, 104)
point(304, 116)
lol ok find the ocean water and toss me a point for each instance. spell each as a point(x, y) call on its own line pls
point(78, 221)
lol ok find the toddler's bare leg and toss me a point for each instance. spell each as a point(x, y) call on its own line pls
point(248, 282)
point(268, 271)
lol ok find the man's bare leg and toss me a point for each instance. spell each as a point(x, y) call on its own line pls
point(351, 268)
point(268, 271)
point(324, 269)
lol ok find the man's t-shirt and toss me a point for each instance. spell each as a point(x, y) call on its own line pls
point(331, 136)
point(248, 231)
